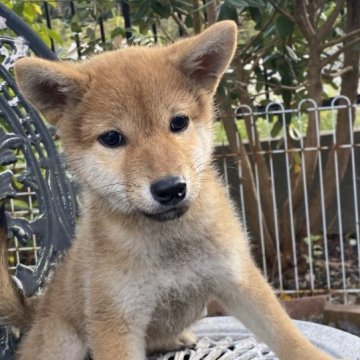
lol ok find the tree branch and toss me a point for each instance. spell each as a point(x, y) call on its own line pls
point(180, 24)
point(196, 17)
point(339, 73)
point(256, 57)
point(278, 8)
point(321, 9)
point(342, 38)
point(259, 34)
point(336, 54)
point(324, 30)
point(278, 86)
point(311, 11)
point(211, 11)
point(302, 20)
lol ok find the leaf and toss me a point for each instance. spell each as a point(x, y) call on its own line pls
point(163, 10)
point(245, 3)
point(76, 28)
point(271, 58)
point(11, 259)
point(117, 31)
point(37, 8)
point(286, 95)
point(9, 4)
point(29, 12)
point(142, 10)
point(42, 33)
point(221, 91)
point(182, 5)
point(330, 81)
point(75, 24)
point(297, 158)
point(227, 13)
point(296, 169)
point(255, 14)
point(143, 27)
point(234, 96)
point(285, 297)
point(90, 33)
point(189, 21)
point(294, 133)
point(55, 36)
point(339, 32)
point(276, 128)
point(259, 85)
point(291, 53)
point(284, 26)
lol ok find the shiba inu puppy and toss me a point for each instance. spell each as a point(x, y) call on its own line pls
point(158, 237)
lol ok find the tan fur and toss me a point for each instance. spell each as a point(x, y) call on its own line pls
point(130, 283)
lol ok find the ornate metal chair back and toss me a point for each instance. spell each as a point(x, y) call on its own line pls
point(39, 196)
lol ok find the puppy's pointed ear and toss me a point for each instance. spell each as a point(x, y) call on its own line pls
point(54, 88)
point(205, 57)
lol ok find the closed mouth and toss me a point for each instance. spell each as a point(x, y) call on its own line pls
point(167, 215)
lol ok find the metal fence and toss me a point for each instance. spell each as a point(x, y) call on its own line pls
point(324, 256)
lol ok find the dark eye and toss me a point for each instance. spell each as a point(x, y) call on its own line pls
point(179, 123)
point(112, 139)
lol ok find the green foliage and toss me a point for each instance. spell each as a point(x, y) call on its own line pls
point(242, 4)
point(284, 26)
point(32, 13)
point(227, 12)
point(272, 54)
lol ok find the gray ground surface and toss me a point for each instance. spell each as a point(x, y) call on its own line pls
point(224, 338)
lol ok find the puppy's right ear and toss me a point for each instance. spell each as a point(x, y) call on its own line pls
point(204, 58)
point(54, 88)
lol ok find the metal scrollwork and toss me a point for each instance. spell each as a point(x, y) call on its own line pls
point(29, 161)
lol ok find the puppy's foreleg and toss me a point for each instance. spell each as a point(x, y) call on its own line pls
point(252, 301)
point(113, 340)
point(51, 339)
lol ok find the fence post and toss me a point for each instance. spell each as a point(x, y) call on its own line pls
point(125, 9)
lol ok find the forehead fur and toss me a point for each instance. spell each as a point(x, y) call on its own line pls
point(142, 74)
point(140, 85)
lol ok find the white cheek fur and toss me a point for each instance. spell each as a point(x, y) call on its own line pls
point(103, 181)
point(110, 185)
point(203, 149)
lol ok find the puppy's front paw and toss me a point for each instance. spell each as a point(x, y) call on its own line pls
point(187, 338)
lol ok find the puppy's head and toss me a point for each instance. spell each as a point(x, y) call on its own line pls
point(136, 124)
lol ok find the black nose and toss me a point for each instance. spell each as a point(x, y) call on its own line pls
point(168, 191)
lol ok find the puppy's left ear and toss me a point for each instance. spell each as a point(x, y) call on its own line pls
point(205, 57)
